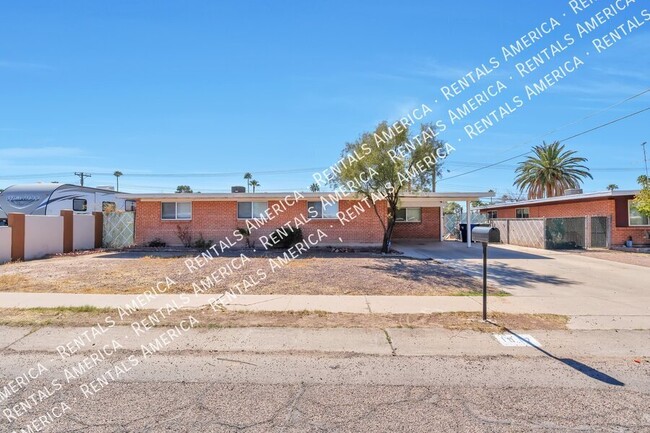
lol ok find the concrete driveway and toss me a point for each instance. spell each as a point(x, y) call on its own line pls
point(564, 282)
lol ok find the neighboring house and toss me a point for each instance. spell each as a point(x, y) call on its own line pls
point(349, 221)
point(622, 219)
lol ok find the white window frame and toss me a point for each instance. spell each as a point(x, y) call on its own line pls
point(407, 215)
point(253, 215)
point(527, 209)
point(176, 218)
point(630, 205)
point(334, 204)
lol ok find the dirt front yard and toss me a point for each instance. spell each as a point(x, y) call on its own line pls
point(309, 274)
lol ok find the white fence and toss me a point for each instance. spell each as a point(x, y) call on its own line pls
point(31, 237)
point(83, 232)
point(5, 244)
point(43, 236)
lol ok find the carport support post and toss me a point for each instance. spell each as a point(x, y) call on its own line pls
point(484, 281)
point(469, 225)
point(442, 221)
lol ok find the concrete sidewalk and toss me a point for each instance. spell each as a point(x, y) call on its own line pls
point(584, 313)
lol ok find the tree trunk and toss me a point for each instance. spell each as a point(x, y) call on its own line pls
point(388, 235)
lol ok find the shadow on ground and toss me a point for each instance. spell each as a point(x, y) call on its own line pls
point(511, 276)
point(576, 365)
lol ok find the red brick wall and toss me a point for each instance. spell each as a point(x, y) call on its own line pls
point(428, 228)
point(216, 220)
point(600, 207)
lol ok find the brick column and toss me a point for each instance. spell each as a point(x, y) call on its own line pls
point(68, 227)
point(17, 223)
point(99, 229)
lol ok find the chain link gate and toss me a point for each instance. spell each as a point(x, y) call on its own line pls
point(565, 233)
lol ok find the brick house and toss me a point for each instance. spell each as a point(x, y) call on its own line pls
point(350, 221)
point(622, 218)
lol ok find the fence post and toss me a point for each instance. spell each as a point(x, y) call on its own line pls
point(68, 230)
point(17, 223)
point(99, 228)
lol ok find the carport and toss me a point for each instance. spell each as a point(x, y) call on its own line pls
point(440, 200)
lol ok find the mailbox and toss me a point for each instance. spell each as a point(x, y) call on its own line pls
point(486, 234)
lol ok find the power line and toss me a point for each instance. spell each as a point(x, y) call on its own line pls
point(563, 140)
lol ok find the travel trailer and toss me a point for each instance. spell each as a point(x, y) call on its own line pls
point(52, 198)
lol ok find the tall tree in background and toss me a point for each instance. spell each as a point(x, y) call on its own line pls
point(183, 189)
point(254, 184)
point(248, 176)
point(117, 175)
point(642, 199)
point(314, 187)
point(612, 186)
point(550, 171)
point(388, 174)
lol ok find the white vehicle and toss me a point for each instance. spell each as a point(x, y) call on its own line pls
point(52, 198)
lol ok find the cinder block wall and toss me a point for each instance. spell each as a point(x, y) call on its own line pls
point(83, 233)
point(216, 220)
point(428, 228)
point(43, 236)
point(5, 244)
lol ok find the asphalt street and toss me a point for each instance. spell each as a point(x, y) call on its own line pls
point(519, 389)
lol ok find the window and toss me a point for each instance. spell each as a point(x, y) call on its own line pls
point(318, 209)
point(409, 215)
point(251, 209)
point(634, 217)
point(79, 205)
point(522, 212)
point(491, 214)
point(176, 210)
point(129, 205)
point(108, 206)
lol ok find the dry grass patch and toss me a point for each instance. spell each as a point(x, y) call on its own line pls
point(89, 316)
point(312, 274)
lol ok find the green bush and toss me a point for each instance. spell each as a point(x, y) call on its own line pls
point(202, 243)
point(286, 237)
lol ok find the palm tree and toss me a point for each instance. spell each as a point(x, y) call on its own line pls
point(248, 178)
point(612, 186)
point(314, 187)
point(254, 184)
point(117, 175)
point(550, 171)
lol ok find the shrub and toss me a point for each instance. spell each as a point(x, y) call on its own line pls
point(246, 233)
point(286, 237)
point(157, 243)
point(202, 243)
point(184, 235)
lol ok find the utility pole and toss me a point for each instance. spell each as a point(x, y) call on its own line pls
point(645, 160)
point(82, 175)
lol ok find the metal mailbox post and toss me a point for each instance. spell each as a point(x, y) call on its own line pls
point(485, 235)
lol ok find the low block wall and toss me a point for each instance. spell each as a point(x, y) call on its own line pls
point(83, 232)
point(5, 244)
point(43, 236)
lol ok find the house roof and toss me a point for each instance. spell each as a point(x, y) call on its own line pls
point(564, 198)
point(422, 199)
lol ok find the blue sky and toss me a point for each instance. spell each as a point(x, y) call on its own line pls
point(156, 89)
